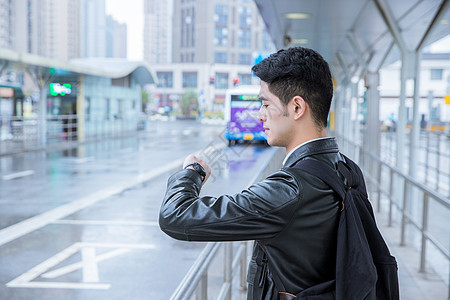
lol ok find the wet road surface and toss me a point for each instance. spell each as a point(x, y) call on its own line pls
point(82, 224)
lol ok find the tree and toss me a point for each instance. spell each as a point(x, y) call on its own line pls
point(145, 98)
point(188, 102)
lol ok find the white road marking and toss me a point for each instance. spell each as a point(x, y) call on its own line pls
point(89, 265)
point(105, 222)
point(18, 175)
point(17, 230)
point(60, 285)
point(44, 266)
point(126, 150)
point(83, 160)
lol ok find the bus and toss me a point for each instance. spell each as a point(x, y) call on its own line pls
point(242, 105)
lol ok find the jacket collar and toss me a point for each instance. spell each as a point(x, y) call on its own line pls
point(328, 145)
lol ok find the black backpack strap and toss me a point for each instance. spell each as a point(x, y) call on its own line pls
point(328, 175)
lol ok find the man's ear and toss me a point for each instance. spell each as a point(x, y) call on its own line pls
point(299, 106)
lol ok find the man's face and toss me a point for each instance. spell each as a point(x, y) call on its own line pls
point(275, 117)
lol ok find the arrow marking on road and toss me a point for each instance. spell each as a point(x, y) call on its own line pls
point(88, 264)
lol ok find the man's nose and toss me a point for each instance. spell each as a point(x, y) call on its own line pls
point(261, 115)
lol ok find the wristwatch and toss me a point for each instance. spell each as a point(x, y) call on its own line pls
point(198, 167)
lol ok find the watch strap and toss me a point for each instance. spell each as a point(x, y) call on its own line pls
point(198, 168)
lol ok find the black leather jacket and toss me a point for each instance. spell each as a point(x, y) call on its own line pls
point(291, 214)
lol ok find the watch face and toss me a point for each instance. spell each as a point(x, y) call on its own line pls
point(198, 167)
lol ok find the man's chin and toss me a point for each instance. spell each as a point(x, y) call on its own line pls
point(271, 143)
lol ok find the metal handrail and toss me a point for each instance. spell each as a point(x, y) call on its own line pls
point(432, 167)
point(195, 281)
point(406, 217)
point(20, 134)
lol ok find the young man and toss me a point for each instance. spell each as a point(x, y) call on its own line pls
point(292, 215)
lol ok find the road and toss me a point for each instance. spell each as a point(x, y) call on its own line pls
point(82, 224)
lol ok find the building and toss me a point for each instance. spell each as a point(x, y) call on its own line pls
point(158, 31)
point(214, 45)
point(42, 27)
point(116, 38)
point(102, 95)
point(209, 81)
point(61, 30)
point(218, 31)
point(93, 28)
point(434, 86)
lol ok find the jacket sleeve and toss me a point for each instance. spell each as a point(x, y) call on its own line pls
point(259, 212)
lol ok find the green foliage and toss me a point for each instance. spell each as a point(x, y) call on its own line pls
point(145, 96)
point(188, 102)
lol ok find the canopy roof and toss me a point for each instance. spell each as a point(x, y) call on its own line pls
point(103, 67)
point(353, 34)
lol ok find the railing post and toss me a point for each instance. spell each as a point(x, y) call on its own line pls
point(391, 195)
point(244, 266)
point(202, 289)
point(438, 146)
point(424, 231)
point(228, 267)
point(379, 188)
point(427, 155)
point(405, 199)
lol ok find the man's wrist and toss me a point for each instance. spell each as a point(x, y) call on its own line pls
point(198, 168)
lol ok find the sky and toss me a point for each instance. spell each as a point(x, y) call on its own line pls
point(131, 13)
point(442, 45)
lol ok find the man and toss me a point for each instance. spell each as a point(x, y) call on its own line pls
point(292, 215)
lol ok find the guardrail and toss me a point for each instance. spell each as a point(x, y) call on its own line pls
point(196, 280)
point(433, 158)
point(405, 198)
point(19, 134)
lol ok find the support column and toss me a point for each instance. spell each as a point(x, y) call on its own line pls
point(347, 110)
point(42, 116)
point(415, 132)
point(355, 112)
point(401, 122)
point(372, 134)
point(340, 111)
point(42, 77)
point(80, 111)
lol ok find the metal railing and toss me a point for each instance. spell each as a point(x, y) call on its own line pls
point(19, 134)
point(403, 197)
point(196, 280)
point(433, 158)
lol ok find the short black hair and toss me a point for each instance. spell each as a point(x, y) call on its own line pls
point(299, 71)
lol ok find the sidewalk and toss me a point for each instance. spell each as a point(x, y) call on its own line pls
point(413, 284)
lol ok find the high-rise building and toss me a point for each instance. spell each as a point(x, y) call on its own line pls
point(158, 31)
point(214, 45)
point(218, 31)
point(116, 38)
point(48, 28)
point(5, 22)
point(93, 28)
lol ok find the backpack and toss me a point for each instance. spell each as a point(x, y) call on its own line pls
point(365, 268)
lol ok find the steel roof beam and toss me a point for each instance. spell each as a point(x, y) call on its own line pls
point(388, 17)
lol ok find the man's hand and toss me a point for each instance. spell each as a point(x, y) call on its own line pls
point(191, 158)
